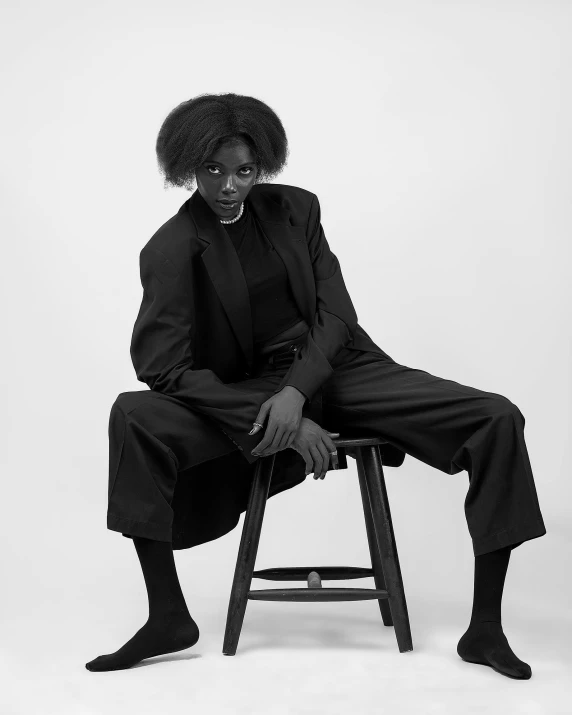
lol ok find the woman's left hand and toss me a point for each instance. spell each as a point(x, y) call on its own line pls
point(284, 412)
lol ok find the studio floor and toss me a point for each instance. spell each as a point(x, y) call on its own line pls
point(292, 658)
point(79, 593)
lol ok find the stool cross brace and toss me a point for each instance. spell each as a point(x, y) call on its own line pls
point(381, 540)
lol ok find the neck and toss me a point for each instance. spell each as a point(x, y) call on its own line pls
point(235, 218)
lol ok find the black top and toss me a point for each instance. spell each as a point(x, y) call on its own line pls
point(272, 303)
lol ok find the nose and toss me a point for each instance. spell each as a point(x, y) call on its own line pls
point(229, 185)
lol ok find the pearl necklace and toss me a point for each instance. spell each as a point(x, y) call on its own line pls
point(235, 219)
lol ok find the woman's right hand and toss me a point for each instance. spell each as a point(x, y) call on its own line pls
point(315, 445)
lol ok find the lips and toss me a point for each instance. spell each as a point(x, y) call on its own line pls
point(227, 204)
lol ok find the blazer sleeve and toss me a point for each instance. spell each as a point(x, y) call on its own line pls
point(161, 354)
point(335, 321)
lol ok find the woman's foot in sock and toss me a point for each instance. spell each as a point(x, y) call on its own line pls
point(485, 642)
point(166, 633)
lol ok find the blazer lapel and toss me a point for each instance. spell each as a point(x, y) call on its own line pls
point(223, 266)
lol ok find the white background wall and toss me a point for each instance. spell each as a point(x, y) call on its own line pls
point(436, 135)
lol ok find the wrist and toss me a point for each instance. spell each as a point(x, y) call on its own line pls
point(291, 390)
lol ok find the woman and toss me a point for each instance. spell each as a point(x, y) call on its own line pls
point(246, 322)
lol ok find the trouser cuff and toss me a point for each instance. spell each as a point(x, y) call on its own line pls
point(146, 529)
point(509, 537)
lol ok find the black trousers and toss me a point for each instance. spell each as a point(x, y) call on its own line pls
point(449, 426)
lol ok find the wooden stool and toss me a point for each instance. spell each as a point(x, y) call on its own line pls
point(382, 548)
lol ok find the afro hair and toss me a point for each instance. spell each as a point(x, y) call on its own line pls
point(195, 129)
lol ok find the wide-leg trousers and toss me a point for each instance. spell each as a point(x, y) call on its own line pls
point(447, 425)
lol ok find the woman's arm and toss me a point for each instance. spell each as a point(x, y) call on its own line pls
point(335, 322)
point(162, 356)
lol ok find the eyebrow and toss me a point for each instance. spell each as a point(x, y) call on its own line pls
point(218, 163)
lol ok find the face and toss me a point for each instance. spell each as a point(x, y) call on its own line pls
point(227, 175)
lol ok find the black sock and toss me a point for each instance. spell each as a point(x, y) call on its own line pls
point(170, 626)
point(484, 641)
point(490, 574)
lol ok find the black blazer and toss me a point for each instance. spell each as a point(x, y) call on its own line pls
point(193, 332)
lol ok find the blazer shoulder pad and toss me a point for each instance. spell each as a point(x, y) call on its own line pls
point(172, 238)
point(293, 198)
point(285, 192)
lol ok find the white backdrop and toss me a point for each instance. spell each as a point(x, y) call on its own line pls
point(447, 124)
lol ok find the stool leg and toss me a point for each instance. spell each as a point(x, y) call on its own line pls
point(247, 552)
point(373, 550)
point(369, 460)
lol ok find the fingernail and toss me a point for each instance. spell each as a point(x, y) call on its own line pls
point(252, 431)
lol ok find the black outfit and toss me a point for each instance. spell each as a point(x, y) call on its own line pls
point(180, 462)
point(272, 303)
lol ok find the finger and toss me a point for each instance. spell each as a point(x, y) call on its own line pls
point(317, 460)
point(265, 441)
point(332, 448)
point(260, 419)
point(276, 441)
point(325, 459)
point(334, 460)
point(285, 439)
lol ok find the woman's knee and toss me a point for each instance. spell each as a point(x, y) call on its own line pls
point(136, 415)
point(499, 405)
point(126, 402)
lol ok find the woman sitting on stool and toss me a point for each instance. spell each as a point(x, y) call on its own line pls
point(245, 320)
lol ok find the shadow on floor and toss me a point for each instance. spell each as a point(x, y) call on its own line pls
point(312, 629)
point(167, 658)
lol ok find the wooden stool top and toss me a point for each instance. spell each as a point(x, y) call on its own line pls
point(358, 441)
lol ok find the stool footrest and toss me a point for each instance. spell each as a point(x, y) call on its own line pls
point(317, 594)
point(300, 573)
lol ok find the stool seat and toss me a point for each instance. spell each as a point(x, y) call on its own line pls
point(381, 540)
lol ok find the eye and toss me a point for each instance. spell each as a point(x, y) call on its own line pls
point(215, 171)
